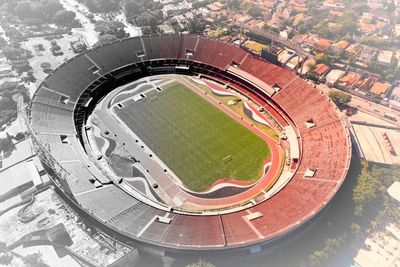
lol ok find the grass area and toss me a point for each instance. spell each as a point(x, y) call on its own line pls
point(238, 108)
point(121, 165)
point(196, 140)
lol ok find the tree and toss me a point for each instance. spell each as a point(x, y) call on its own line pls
point(33, 21)
point(13, 53)
point(254, 11)
point(108, 5)
point(233, 4)
point(349, 23)
point(341, 99)
point(105, 39)
point(200, 263)
point(24, 9)
point(196, 26)
point(355, 228)
point(6, 259)
point(49, 7)
point(391, 7)
point(64, 17)
point(366, 189)
point(35, 260)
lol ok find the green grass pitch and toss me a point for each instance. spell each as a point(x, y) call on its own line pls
point(195, 139)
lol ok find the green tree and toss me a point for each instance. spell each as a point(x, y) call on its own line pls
point(105, 39)
point(35, 260)
point(64, 17)
point(233, 4)
point(254, 11)
point(196, 26)
point(49, 7)
point(366, 189)
point(355, 228)
point(339, 98)
point(25, 9)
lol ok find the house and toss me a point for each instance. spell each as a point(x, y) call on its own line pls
point(340, 46)
point(385, 57)
point(269, 4)
point(337, 5)
point(336, 13)
point(333, 76)
point(372, 22)
point(354, 49)
point(298, 19)
point(321, 69)
point(365, 81)
point(215, 7)
point(323, 45)
point(380, 88)
point(298, 5)
point(368, 54)
point(394, 101)
point(243, 19)
point(396, 94)
point(348, 80)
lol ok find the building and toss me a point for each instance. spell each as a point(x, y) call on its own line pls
point(385, 57)
point(396, 94)
point(368, 54)
point(340, 46)
point(354, 49)
point(321, 69)
point(323, 45)
point(333, 76)
point(380, 88)
point(348, 80)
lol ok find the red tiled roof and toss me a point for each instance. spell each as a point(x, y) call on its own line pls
point(321, 69)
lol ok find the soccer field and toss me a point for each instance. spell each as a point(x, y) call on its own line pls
point(197, 141)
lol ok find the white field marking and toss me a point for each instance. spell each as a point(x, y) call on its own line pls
point(150, 222)
point(91, 190)
point(147, 226)
point(320, 180)
point(255, 230)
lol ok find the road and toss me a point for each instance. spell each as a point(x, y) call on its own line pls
point(129, 28)
point(366, 106)
point(87, 32)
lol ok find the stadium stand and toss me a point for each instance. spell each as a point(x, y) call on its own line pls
point(160, 47)
point(62, 151)
point(47, 97)
point(187, 46)
point(58, 112)
point(120, 54)
point(216, 54)
point(268, 72)
point(51, 119)
point(208, 231)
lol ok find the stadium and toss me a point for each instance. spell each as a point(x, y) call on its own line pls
point(180, 144)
